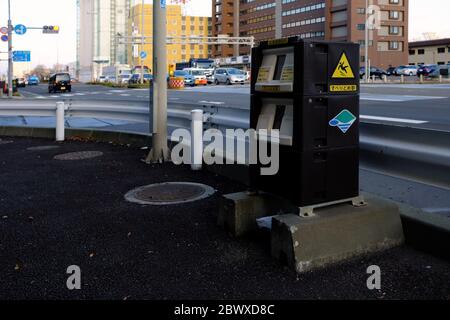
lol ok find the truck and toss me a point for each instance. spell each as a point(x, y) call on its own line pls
point(119, 73)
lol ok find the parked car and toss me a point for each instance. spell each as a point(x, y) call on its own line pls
point(189, 80)
point(59, 82)
point(33, 81)
point(102, 79)
point(406, 70)
point(136, 78)
point(21, 82)
point(433, 70)
point(374, 71)
point(199, 76)
point(229, 76)
point(390, 71)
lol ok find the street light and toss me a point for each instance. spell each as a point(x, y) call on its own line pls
point(366, 45)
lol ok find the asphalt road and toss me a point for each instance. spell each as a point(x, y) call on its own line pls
point(424, 106)
point(55, 214)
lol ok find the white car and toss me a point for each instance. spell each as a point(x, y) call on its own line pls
point(101, 79)
point(198, 74)
point(229, 76)
point(124, 78)
point(407, 70)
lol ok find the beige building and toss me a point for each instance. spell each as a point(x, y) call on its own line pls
point(178, 25)
point(429, 52)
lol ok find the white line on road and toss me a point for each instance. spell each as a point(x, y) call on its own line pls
point(212, 102)
point(410, 121)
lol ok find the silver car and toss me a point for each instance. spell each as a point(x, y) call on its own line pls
point(229, 76)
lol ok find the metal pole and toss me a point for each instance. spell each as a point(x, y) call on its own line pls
point(366, 46)
point(142, 40)
point(160, 150)
point(10, 57)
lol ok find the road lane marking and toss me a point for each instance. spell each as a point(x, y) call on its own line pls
point(389, 119)
point(396, 98)
point(212, 102)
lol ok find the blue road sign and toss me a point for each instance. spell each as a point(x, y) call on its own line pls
point(143, 54)
point(4, 38)
point(163, 4)
point(21, 56)
point(20, 29)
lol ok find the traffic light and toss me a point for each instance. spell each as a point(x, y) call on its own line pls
point(50, 29)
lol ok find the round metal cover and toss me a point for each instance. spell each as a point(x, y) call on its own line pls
point(5, 141)
point(169, 193)
point(79, 155)
point(42, 148)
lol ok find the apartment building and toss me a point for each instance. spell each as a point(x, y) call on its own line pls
point(338, 20)
point(178, 25)
point(430, 52)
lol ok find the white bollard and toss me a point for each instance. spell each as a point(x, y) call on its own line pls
point(373, 79)
point(440, 78)
point(196, 139)
point(402, 79)
point(421, 78)
point(385, 78)
point(60, 120)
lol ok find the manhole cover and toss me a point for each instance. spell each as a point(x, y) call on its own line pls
point(42, 148)
point(79, 155)
point(169, 193)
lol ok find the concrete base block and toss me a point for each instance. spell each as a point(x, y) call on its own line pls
point(239, 211)
point(335, 234)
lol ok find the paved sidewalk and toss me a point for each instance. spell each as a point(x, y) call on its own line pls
point(54, 214)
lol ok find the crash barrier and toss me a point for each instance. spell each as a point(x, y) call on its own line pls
point(418, 154)
point(176, 83)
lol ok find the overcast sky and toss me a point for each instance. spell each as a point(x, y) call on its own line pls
point(425, 16)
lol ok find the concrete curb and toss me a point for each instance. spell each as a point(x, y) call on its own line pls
point(124, 138)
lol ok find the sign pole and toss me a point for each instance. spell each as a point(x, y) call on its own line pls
point(142, 41)
point(10, 56)
point(160, 150)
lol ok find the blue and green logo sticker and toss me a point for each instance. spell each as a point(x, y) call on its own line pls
point(343, 120)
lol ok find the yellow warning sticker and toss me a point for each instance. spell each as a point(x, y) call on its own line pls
point(344, 88)
point(343, 69)
point(263, 74)
point(271, 88)
point(287, 74)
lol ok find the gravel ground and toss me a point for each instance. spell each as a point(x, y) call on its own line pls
point(54, 214)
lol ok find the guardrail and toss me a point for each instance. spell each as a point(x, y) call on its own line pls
point(421, 155)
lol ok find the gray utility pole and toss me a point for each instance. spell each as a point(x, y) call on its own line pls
point(10, 55)
point(142, 40)
point(366, 45)
point(160, 150)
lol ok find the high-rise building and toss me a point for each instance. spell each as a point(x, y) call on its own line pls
point(338, 20)
point(178, 25)
point(99, 23)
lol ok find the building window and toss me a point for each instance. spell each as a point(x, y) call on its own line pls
point(394, 45)
point(361, 26)
point(360, 10)
point(394, 30)
point(441, 50)
point(421, 51)
point(394, 1)
point(394, 15)
point(412, 52)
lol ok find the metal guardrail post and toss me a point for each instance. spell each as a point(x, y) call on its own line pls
point(60, 119)
point(197, 139)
